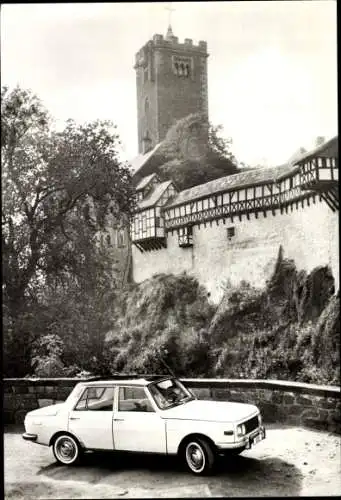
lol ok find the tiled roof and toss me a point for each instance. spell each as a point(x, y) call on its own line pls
point(155, 195)
point(328, 149)
point(145, 181)
point(242, 179)
point(140, 160)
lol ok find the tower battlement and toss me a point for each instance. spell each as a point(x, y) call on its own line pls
point(171, 42)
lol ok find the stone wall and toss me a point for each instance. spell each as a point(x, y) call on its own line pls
point(290, 403)
point(24, 394)
point(308, 235)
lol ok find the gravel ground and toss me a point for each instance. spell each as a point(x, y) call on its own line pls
point(292, 461)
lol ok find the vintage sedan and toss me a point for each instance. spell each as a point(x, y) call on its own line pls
point(153, 415)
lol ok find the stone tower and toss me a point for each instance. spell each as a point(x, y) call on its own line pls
point(171, 82)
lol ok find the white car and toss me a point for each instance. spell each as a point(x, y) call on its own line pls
point(154, 415)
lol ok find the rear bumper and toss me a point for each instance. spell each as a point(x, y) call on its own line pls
point(29, 437)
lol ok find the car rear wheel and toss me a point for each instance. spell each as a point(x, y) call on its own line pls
point(199, 456)
point(66, 450)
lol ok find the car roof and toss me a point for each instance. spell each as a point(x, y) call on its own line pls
point(138, 382)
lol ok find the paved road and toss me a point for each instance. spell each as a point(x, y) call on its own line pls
point(290, 462)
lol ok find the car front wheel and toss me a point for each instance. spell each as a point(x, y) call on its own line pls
point(199, 456)
point(66, 450)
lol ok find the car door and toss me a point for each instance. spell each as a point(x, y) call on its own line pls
point(91, 420)
point(136, 424)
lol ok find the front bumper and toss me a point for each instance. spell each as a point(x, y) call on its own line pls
point(245, 442)
point(29, 437)
point(255, 437)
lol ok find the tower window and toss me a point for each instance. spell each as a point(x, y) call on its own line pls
point(146, 105)
point(182, 66)
point(121, 238)
point(145, 74)
point(146, 143)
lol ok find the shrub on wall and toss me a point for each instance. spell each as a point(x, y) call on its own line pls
point(164, 318)
point(283, 332)
point(289, 331)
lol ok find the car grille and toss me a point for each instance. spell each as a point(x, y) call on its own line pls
point(251, 425)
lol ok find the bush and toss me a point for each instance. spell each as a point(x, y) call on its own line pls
point(290, 330)
point(282, 332)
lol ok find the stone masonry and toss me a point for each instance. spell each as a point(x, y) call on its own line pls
point(289, 403)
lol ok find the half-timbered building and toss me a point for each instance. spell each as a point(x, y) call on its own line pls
point(230, 229)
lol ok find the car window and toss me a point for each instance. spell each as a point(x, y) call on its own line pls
point(168, 393)
point(96, 399)
point(133, 399)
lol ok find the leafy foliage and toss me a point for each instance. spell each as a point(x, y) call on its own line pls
point(195, 153)
point(290, 330)
point(164, 318)
point(269, 333)
point(59, 190)
point(47, 352)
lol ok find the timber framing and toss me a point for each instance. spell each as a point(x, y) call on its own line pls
point(260, 192)
point(238, 208)
point(311, 177)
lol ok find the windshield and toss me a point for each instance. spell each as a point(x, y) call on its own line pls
point(169, 393)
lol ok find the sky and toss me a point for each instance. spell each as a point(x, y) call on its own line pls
point(272, 69)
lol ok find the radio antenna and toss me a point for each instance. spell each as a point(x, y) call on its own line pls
point(166, 365)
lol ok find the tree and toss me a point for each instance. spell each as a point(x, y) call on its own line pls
point(59, 188)
point(194, 152)
point(319, 141)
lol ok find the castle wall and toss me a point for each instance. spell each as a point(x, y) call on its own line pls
point(308, 235)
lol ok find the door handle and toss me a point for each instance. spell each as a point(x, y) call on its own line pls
point(118, 419)
point(74, 418)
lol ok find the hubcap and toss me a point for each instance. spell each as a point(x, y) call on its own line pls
point(195, 457)
point(66, 449)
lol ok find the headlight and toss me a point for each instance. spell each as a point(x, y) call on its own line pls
point(260, 419)
point(241, 430)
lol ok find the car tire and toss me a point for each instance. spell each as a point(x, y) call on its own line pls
point(67, 450)
point(199, 456)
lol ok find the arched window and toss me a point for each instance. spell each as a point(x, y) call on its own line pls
point(121, 238)
point(182, 66)
point(145, 74)
point(146, 105)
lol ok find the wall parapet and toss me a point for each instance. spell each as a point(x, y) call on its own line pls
point(293, 403)
point(297, 387)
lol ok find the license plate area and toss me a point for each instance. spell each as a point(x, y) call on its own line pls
point(255, 439)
